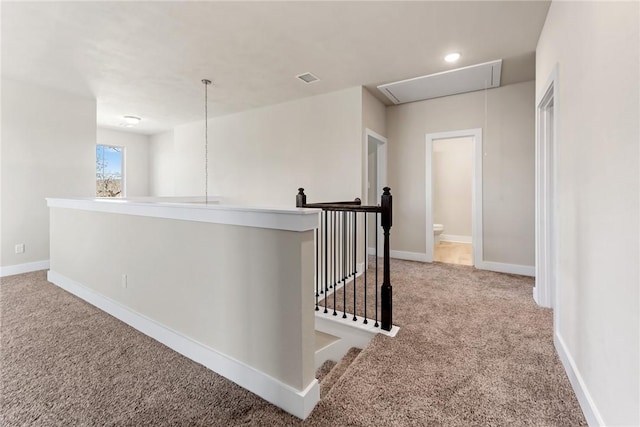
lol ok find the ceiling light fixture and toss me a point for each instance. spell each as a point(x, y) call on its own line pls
point(452, 57)
point(131, 121)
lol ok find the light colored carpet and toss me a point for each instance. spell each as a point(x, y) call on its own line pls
point(473, 349)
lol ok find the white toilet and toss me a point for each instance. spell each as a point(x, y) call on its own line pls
point(437, 231)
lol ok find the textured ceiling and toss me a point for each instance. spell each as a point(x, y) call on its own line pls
point(148, 58)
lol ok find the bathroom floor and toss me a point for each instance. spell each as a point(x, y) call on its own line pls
point(453, 253)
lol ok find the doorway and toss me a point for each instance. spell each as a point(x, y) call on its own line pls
point(375, 180)
point(452, 163)
point(460, 241)
point(546, 199)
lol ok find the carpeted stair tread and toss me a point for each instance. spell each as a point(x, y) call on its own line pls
point(323, 370)
point(338, 371)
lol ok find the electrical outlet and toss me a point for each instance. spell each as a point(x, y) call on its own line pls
point(20, 248)
point(124, 281)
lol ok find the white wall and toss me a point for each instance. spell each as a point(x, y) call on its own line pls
point(136, 158)
point(48, 150)
point(161, 168)
point(263, 155)
point(374, 118)
point(508, 167)
point(452, 178)
point(596, 47)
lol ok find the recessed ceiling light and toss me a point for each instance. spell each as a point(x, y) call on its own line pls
point(452, 57)
point(308, 78)
point(130, 121)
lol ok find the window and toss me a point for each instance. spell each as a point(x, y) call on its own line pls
point(110, 171)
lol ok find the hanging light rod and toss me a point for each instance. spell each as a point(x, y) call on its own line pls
point(206, 83)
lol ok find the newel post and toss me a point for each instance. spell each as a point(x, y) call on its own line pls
point(301, 198)
point(386, 291)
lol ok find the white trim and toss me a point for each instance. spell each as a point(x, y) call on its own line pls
point(476, 191)
point(351, 334)
point(371, 251)
point(546, 201)
point(10, 270)
point(585, 400)
point(381, 167)
point(409, 256)
point(456, 239)
point(499, 267)
point(348, 323)
point(296, 402)
point(331, 351)
point(293, 219)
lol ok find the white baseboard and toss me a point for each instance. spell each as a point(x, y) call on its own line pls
point(454, 238)
point(523, 270)
point(587, 404)
point(371, 251)
point(409, 256)
point(11, 270)
point(298, 403)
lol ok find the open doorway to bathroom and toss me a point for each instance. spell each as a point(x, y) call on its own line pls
point(454, 197)
point(452, 163)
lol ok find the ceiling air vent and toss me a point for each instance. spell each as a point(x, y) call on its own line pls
point(308, 78)
point(460, 80)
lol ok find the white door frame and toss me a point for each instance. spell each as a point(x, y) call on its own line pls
point(476, 190)
point(381, 167)
point(544, 292)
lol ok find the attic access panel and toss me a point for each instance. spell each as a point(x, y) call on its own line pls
point(452, 82)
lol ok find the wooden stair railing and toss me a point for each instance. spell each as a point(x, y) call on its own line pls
point(336, 253)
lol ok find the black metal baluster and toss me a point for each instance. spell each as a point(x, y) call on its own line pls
point(321, 250)
point(344, 263)
point(335, 261)
point(366, 259)
point(326, 265)
point(331, 248)
point(317, 269)
point(355, 254)
point(350, 243)
point(376, 287)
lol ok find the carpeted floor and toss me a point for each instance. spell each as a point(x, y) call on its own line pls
point(473, 349)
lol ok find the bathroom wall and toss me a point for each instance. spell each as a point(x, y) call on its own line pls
point(452, 183)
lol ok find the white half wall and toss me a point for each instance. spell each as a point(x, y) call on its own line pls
point(48, 150)
point(596, 48)
point(217, 293)
point(506, 116)
point(136, 158)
